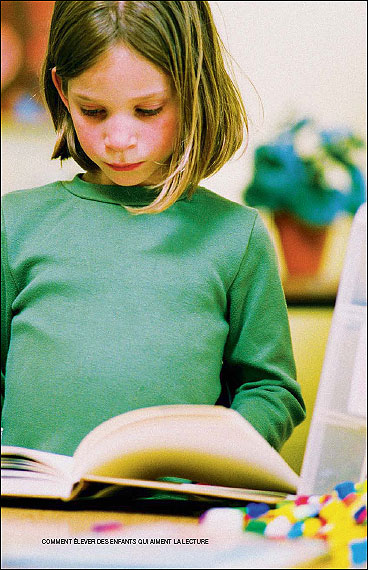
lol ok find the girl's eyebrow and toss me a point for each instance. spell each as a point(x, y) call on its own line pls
point(145, 96)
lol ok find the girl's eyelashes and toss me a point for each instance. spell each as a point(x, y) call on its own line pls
point(92, 112)
point(140, 111)
point(149, 112)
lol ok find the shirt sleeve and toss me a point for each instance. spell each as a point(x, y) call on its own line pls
point(258, 365)
point(8, 294)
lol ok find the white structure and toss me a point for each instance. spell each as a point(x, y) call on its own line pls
point(336, 447)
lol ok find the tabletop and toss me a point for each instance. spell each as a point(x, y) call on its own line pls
point(165, 537)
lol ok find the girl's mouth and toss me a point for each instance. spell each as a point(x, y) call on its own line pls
point(125, 167)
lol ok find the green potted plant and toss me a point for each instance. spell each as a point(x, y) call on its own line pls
point(306, 177)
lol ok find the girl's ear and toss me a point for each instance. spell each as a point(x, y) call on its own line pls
point(57, 82)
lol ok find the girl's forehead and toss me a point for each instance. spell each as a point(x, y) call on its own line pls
point(123, 69)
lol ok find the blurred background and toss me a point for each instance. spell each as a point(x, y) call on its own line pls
point(301, 69)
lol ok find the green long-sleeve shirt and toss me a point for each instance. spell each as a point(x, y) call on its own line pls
point(104, 312)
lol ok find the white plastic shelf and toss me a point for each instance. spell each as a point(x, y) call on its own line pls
point(336, 447)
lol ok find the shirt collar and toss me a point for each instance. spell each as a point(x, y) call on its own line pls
point(113, 194)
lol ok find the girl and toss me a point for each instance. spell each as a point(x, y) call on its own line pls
point(130, 285)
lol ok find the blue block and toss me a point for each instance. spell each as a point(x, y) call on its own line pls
point(296, 530)
point(255, 510)
point(344, 489)
point(358, 550)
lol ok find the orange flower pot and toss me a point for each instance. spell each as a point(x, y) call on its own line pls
point(302, 244)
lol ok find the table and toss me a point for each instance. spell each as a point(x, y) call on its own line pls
point(24, 530)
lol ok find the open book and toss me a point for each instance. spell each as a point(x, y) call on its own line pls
point(214, 447)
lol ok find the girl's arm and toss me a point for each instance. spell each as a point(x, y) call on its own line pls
point(8, 293)
point(258, 366)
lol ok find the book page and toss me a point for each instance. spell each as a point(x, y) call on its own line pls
point(207, 444)
point(36, 460)
point(32, 473)
point(40, 487)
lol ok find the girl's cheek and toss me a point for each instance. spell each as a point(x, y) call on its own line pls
point(166, 131)
point(87, 136)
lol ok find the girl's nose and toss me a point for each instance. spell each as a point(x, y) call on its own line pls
point(121, 135)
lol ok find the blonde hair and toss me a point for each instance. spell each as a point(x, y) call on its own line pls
point(181, 39)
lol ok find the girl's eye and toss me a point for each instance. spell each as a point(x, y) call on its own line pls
point(141, 112)
point(92, 112)
point(149, 112)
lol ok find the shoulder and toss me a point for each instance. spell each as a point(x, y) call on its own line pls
point(243, 236)
point(37, 198)
point(25, 211)
point(232, 232)
point(238, 219)
point(221, 205)
point(32, 196)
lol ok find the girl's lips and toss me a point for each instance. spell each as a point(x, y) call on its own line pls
point(124, 167)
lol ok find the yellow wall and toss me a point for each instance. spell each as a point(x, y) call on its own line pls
point(309, 330)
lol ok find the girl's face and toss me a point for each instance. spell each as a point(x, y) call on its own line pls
point(125, 114)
